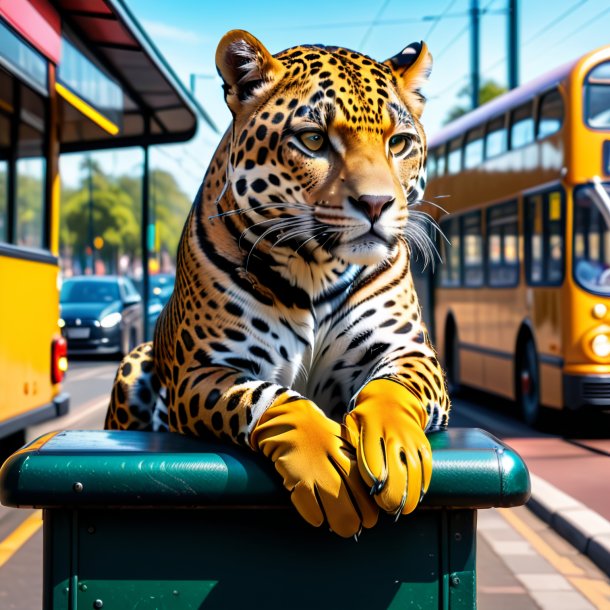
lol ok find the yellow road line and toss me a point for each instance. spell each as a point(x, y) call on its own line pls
point(563, 564)
point(16, 539)
point(597, 591)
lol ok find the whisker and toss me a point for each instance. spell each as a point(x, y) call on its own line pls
point(282, 224)
point(426, 201)
point(267, 232)
point(292, 234)
point(418, 236)
point(266, 206)
point(307, 240)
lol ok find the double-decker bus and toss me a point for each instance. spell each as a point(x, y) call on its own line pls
point(74, 76)
point(522, 300)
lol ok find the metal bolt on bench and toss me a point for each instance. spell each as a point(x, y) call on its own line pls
point(150, 520)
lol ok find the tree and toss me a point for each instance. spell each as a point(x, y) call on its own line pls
point(169, 206)
point(117, 213)
point(487, 92)
point(114, 220)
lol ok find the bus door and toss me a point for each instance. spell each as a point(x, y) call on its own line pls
point(500, 312)
point(472, 326)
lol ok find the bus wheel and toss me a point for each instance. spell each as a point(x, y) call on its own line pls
point(452, 361)
point(528, 384)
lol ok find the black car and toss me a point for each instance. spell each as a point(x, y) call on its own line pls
point(101, 314)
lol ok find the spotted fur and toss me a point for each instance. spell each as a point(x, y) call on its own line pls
point(293, 271)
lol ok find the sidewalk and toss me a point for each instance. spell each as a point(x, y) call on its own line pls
point(570, 492)
point(585, 529)
point(540, 570)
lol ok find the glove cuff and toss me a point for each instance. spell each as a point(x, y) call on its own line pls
point(393, 394)
point(279, 409)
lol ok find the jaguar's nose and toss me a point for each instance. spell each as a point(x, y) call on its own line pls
point(373, 206)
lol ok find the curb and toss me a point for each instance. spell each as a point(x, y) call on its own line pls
point(585, 529)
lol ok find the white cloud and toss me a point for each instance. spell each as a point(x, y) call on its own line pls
point(156, 29)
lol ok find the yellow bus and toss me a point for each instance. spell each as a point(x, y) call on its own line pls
point(73, 77)
point(522, 299)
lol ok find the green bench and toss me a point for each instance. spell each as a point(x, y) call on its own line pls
point(159, 521)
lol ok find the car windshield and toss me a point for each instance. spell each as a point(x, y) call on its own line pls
point(89, 291)
point(592, 237)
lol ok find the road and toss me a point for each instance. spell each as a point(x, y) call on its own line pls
point(522, 564)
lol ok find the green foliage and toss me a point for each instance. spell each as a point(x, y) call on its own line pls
point(30, 199)
point(487, 92)
point(116, 212)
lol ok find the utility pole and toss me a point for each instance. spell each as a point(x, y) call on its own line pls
point(512, 37)
point(193, 80)
point(144, 237)
point(91, 247)
point(475, 52)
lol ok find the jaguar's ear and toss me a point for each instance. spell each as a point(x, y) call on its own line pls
point(246, 68)
point(412, 67)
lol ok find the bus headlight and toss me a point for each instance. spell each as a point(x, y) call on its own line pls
point(600, 344)
point(112, 319)
point(599, 311)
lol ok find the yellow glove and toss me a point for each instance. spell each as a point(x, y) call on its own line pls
point(317, 465)
point(394, 455)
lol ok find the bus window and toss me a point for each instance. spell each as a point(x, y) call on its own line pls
point(555, 245)
point(4, 134)
point(30, 172)
point(454, 158)
point(597, 97)
point(522, 126)
point(473, 149)
point(502, 245)
point(6, 107)
point(544, 238)
point(431, 164)
point(591, 240)
point(495, 140)
point(441, 162)
point(472, 238)
point(550, 115)
point(533, 224)
point(450, 253)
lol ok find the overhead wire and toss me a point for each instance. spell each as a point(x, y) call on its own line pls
point(177, 160)
point(372, 23)
point(578, 29)
point(485, 10)
point(378, 22)
point(543, 30)
point(438, 19)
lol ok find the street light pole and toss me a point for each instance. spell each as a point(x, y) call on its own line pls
point(475, 53)
point(90, 236)
point(193, 80)
point(144, 243)
point(513, 43)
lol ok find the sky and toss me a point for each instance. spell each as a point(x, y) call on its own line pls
point(187, 32)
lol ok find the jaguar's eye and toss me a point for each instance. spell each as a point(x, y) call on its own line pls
point(312, 140)
point(400, 144)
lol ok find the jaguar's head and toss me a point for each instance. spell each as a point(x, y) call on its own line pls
point(327, 149)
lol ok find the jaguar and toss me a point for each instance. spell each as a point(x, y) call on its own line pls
point(294, 328)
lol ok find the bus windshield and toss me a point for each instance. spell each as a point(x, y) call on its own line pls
point(597, 98)
point(592, 237)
